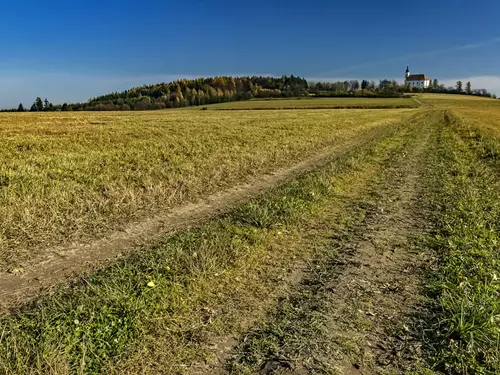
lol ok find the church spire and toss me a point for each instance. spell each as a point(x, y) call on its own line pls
point(407, 73)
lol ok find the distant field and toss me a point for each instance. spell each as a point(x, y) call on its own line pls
point(481, 112)
point(67, 176)
point(318, 103)
point(460, 101)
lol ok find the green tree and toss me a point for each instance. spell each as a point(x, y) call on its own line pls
point(20, 108)
point(39, 104)
point(468, 88)
point(364, 84)
point(64, 107)
point(45, 105)
point(459, 86)
point(435, 84)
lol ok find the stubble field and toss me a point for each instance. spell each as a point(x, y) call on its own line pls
point(66, 177)
point(379, 257)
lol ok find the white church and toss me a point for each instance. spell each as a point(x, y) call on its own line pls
point(416, 80)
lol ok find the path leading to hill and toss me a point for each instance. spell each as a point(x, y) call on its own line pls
point(350, 314)
point(371, 301)
point(66, 263)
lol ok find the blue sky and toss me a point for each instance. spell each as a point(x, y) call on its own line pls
point(72, 50)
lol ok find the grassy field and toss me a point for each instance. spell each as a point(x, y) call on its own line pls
point(480, 112)
point(68, 177)
point(463, 328)
point(301, 103)
point(118, 321)
point(465, 201)
point(384, 260)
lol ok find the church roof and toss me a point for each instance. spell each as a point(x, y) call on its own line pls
point(417, 77)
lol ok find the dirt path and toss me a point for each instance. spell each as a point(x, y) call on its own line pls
point(64, 263)
point(351, 314)
point(420, 102)
point(381, 286)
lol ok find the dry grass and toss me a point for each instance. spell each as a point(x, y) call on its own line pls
point(483, 113)
point(297, 103)
point(68, 176)
point(155, 312)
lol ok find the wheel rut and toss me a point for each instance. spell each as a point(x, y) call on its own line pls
point(350, 314)
point(381, 287)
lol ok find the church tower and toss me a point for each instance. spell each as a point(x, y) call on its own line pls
point(407, 73)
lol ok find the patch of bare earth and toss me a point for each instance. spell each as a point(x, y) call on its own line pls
point(351, 313)
point(64, 263)
point(380, 287)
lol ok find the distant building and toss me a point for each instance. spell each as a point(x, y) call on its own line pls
point(416, 80)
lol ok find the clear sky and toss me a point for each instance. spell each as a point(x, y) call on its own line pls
point(72, 50)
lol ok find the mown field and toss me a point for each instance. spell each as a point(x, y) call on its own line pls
point(68, 177)
point(317, 103)
point(383, 260)
point(480, 112)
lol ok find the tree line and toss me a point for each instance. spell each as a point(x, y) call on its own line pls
point(202, 91)
point(390, 88)
point(38, 105)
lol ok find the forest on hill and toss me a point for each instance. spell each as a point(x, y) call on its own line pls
point(201, 91)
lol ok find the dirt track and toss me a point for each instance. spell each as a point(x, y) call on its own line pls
point(381, 286)
point(367, 294)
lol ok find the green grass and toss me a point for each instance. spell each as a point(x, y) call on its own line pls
point(67, 177)
point(464, 337)
point(160, 296)
point(318, 103)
